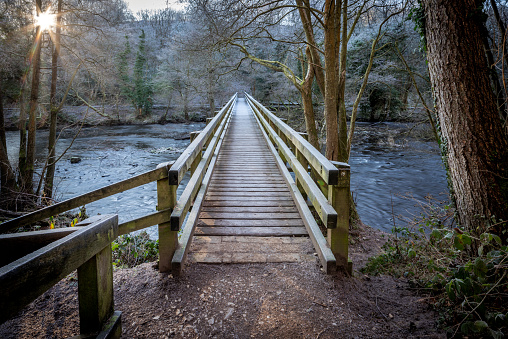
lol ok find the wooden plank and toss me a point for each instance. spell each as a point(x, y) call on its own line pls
point(95, 291)
point(26, 278)
point(251, 209)
point(145, 221)
point(250, 247)
point(161, 172)
point(243, 193)
point(252, 231)
point(317, 160)
point(257, 191)
point(16, 245)
point(231, 215)
point(270, 181)
point(249, 185)
point(339, 197)
point(184, 161)
point(228, 198)
point(203, 222)
point(251, 203)
point(243, 178)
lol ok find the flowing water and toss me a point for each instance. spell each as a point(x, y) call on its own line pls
point(384, 165)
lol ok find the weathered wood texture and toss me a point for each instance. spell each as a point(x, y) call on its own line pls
point(330, 198)
point(184, 162)
point(161, 172)
point(318, 161)
point(247, 198)
point(28, 277)
point(16, 245)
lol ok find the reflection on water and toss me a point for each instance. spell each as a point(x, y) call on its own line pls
point(383, 167)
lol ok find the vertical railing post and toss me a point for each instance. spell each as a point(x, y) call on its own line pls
point(338, 197)
point(168, 239)
point(95, 292)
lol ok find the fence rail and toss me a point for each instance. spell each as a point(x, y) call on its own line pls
point(88, 250)
point(326, 186)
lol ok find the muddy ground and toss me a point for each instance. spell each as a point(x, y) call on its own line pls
point(286, 300)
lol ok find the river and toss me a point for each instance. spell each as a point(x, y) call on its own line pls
point(385, 164)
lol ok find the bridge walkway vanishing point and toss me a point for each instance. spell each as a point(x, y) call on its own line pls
point(248, 214)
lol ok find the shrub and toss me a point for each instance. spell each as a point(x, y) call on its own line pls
point(464, 274)
point(132, 250)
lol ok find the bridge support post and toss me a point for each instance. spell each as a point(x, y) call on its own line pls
point(338, 197)
point(95, 292)
point(168, 239)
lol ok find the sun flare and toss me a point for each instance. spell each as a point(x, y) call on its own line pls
point(45, 20)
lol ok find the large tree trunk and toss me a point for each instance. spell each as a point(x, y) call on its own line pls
point(308, 109)
point(34, 100)
point(50, 172)
point(331, 21)
point(7, 177)
point(477, 149)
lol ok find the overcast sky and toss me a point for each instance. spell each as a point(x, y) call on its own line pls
point(137, 5)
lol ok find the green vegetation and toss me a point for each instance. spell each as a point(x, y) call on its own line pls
point(463, 273)
point(132, 250)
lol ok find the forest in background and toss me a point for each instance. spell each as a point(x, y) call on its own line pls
point(429, 61)
point(97, 54)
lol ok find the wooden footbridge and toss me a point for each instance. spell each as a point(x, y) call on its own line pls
point(258, 192)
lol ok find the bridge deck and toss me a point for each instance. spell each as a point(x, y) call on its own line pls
point(248, 214)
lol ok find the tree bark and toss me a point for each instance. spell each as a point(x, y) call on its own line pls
point(34, 100)
point(331, 22)
point(477, 149)
point(211, 91)
point(50, 171)
point(7, 177)
point(308, 109)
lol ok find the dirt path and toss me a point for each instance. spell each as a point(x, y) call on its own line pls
point(295, 300)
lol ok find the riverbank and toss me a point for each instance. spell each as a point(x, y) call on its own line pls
point(108, 115)
point(280, 300)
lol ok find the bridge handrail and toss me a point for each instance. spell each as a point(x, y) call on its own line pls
point(161, 172)
point(327, 171)
point(87, 249)
point(325, 211)
point(184, 162)
point(182, 206)
point(327, 188)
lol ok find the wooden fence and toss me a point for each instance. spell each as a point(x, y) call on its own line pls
point(323, 183)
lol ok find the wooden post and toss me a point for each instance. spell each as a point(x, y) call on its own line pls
point(168, 240)
point(208, 120)
point(193, 135)
point(338, 197)
point(95, 292)
point(196, 162)
point(303, 161)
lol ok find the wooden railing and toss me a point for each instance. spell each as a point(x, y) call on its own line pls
point(87, 249)
point(56, 253)
point(200, 159)
point(323, 183)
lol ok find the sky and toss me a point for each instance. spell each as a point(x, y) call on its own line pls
point(137, 5)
